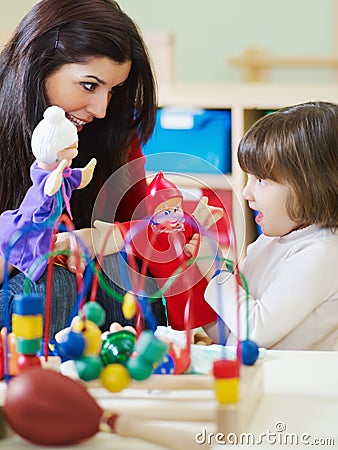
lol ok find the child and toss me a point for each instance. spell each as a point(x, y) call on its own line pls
point(291, 158)
point(54, 145)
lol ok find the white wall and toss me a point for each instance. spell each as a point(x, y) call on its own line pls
point(208, 32)
point(12, 11)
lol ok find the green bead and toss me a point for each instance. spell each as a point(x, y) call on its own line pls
point(149, 351)
point(117, 347)
point(94, 312)
point(150, 348)
point(88, 367)
point(138, 369)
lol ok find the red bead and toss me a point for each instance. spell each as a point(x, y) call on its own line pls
point(25, 361)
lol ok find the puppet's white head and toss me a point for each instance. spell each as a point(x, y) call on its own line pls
point(53, 134)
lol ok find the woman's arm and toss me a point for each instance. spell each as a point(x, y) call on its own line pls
point(67, 241)
point(2, 269)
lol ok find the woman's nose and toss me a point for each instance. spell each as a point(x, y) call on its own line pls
point(98, 106)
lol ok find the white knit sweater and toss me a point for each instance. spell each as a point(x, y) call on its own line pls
point(293, 286)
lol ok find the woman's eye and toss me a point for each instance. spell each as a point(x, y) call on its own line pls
point(166, 213)
point(89, 86)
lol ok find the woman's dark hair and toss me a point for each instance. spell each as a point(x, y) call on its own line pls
point(52, 34)
point(298, 146)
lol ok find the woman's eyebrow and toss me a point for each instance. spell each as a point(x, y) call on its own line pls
point(95, 78)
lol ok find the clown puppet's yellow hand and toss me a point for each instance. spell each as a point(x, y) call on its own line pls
point(205, 214)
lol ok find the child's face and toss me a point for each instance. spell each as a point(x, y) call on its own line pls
point(268, 198)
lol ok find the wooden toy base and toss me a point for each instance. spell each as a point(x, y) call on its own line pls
point(173, 410)
point(144, 407)
point(5, 429)
point(235, 418)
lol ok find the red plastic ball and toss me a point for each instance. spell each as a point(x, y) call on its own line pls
point(47, 408)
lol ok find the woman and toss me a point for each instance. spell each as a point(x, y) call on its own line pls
point(87, 57)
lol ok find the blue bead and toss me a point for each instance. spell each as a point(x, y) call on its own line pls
point(166, 366)
point(72, 345)
point(249, 352)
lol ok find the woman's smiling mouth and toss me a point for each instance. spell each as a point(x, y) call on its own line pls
point(77, 122)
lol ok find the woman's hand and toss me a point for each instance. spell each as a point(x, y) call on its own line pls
point(69, 241)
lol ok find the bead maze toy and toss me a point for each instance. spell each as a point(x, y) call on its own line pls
point(127, 367)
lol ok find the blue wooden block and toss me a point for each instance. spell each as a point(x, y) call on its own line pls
point(28, 305)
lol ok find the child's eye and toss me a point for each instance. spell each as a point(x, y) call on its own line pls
point(260, 181)
point(167, 212)
point(89, 86)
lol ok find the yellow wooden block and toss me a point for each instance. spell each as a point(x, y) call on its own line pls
point(227, 390)
point(27, 327)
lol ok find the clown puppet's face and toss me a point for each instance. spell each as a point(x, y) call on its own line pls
point(169, 214)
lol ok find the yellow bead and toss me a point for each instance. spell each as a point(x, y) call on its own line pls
point(115, 377)
point(27, 327)
point(129, 305)
point(92, 335)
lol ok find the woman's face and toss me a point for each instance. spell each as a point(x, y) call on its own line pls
point(84, 91)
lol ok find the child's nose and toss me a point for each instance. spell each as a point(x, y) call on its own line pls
point(247, 192)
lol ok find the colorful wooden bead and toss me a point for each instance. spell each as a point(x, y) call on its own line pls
point(226, 374)
point(249, 352)
point(88, 367)
point(93, 311)
point(27, 327)
point(117, 347)
point(115, 377)
point(92, 335)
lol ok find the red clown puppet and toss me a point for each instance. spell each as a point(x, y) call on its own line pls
point(159, 241)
